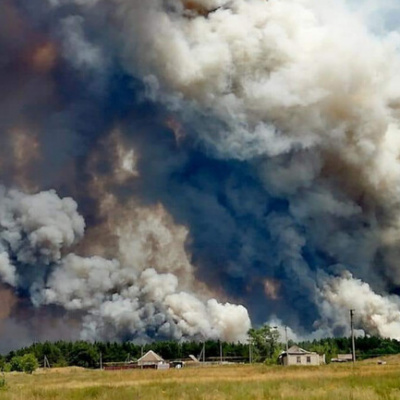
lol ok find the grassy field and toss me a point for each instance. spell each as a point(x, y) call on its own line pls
point(365, 381)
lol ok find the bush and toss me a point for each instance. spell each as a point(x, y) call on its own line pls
point(29, 363)
point(274, 359)
point(7, 367)
point(16, 364)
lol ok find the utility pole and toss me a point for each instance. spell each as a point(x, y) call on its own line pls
point(287, 343)
point(101, 361)
point(353, 345)
point(204, 352)
point(46, 363)
point(220, 351)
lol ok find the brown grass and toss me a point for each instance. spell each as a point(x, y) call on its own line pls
point(364, 381)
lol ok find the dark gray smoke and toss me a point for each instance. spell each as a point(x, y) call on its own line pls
point(245, 151)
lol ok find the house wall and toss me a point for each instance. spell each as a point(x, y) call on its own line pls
point(149, 359)
point(302, 359)
point(345, 357)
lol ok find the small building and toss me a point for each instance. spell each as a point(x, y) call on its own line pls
point(152, 360)
point(298, 356)
point(343, 358)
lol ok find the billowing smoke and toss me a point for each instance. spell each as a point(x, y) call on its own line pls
point(378, 314)
point(121, 302)
point(220, 153)
point(35, 229)
point(308, 96)
point(117, 300)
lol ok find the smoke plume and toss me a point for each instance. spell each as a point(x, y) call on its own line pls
point(171, 169)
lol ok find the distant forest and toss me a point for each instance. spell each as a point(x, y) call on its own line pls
point(85, 354)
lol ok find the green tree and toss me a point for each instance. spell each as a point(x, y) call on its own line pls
point(84, 354)
point(274, 359)
point(16, 364)
point(264, 342)
point(29, 363)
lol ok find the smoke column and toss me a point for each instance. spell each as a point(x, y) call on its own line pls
point(182, 169)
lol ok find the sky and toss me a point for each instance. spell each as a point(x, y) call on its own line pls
point(185, 170)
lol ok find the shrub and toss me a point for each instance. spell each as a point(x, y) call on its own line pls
point(7, 367)
point(29, 363)
point(16, 364)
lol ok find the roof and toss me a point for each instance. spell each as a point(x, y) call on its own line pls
point(296, 350)
point(193, 358)
point(150, 357)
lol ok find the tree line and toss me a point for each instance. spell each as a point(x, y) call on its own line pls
point(264, 346)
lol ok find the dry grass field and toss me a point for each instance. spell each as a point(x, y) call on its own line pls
point(365, 381)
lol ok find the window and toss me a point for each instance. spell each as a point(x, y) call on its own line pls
point(298, 360)
point(308, 360)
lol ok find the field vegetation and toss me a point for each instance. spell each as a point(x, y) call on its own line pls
point(364, 381)
point(266, 345)
point(75, 375)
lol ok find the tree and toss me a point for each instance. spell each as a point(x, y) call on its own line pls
point(52, 353)
point(29, 363)
point(84, 354)
point(274, 359)
point(16, 364)
point(264, 342)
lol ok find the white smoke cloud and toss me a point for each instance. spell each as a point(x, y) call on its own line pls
point(211, 319)
point(35, 229)
point(151, 239)
point(377, 314)
point(81, 53)
point(256, 62)
point(116, 297)
point(309, 94)
point(7, 270)
point(81, 283)
point(300, 89)
point(120, 300)
point(282, 77)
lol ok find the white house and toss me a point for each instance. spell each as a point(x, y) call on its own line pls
point(150, 358)
point(298, 356)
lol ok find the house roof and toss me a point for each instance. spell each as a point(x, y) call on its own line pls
point(296, 350)
point(150, 357)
